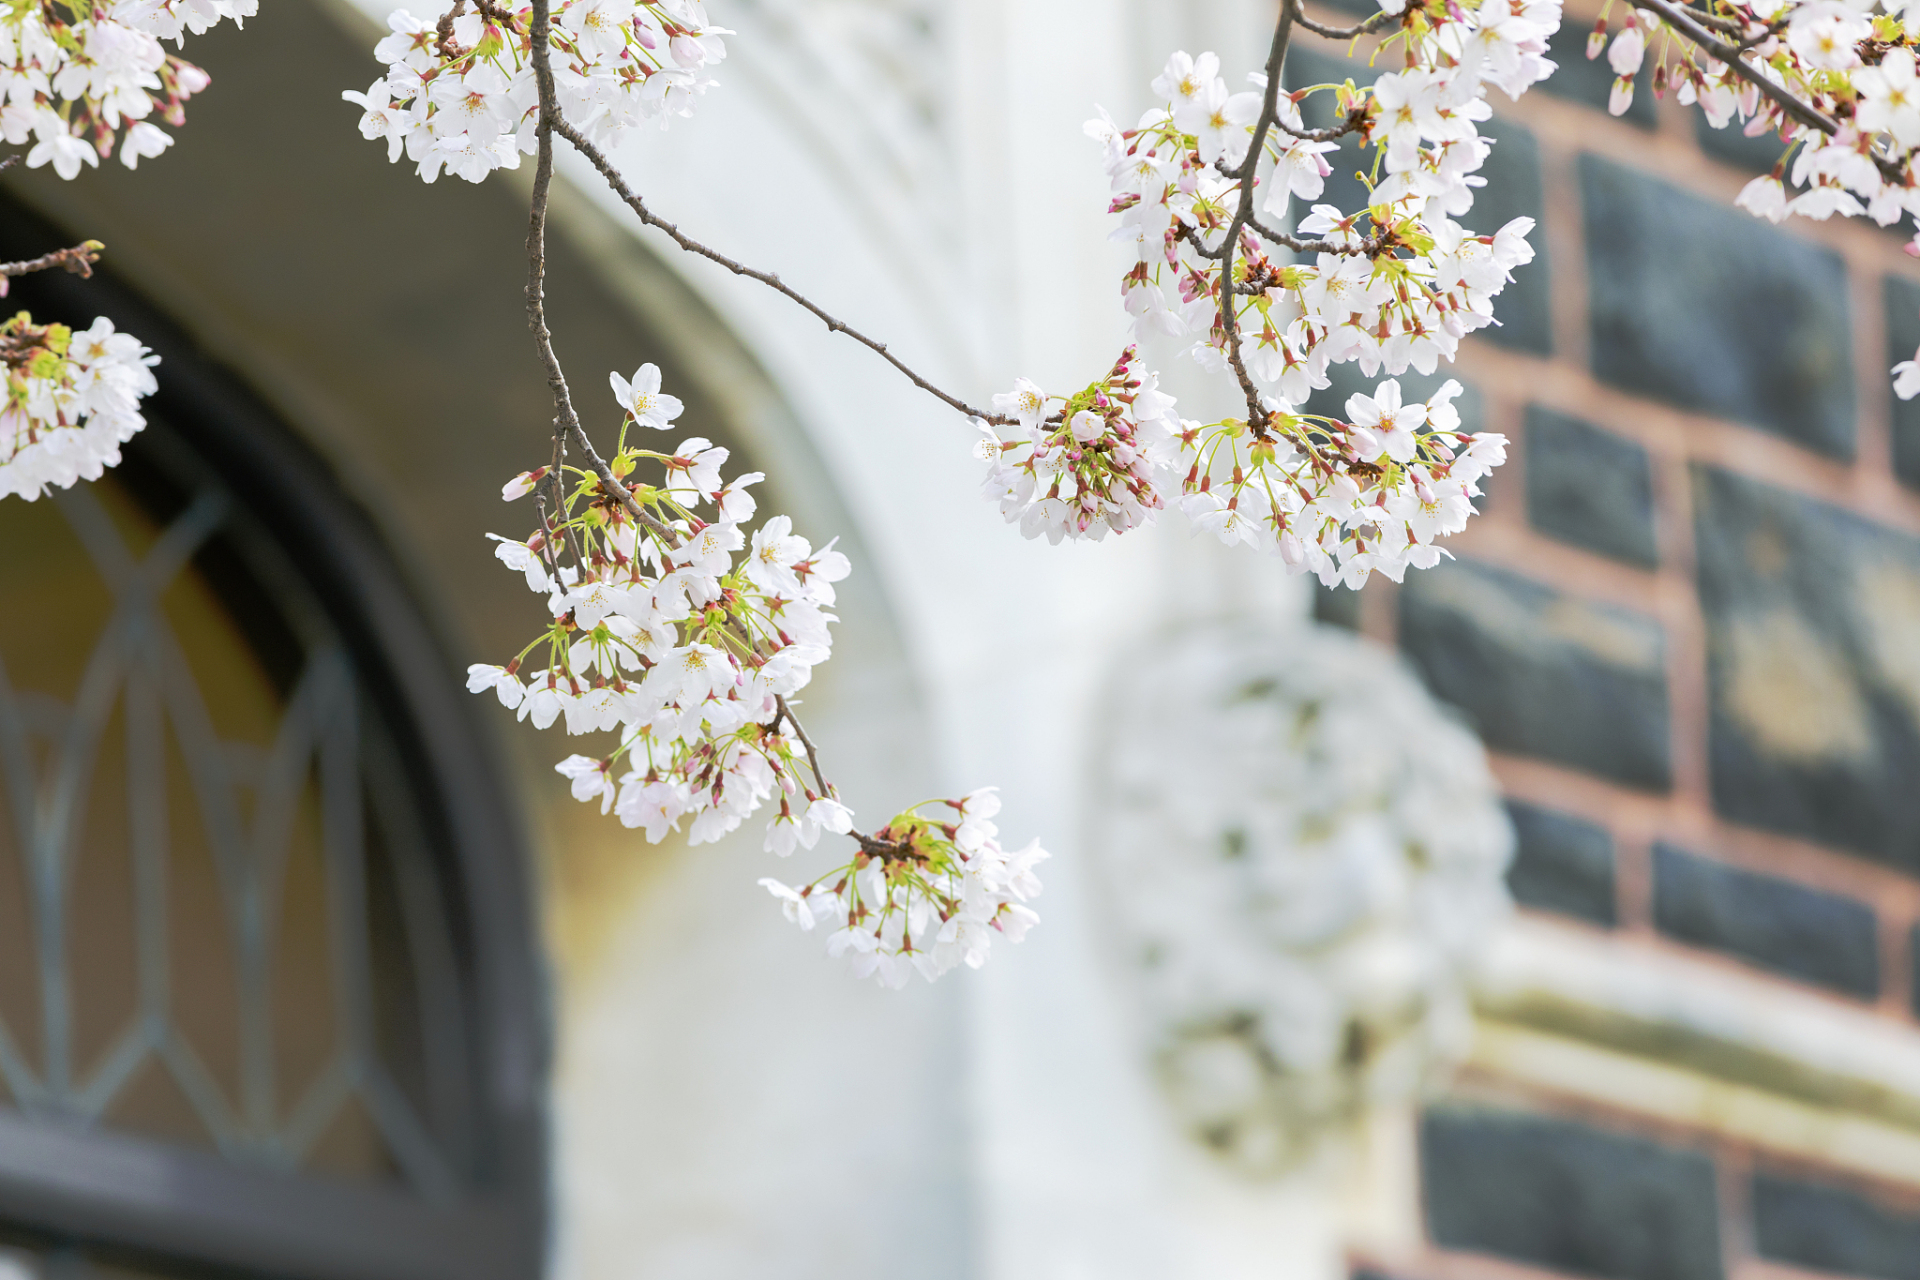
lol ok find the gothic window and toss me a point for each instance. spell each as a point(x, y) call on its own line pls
point(267, 1003)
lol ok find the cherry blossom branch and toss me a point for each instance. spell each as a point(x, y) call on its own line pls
point(834, 324)
point(546, 532)
point(566, 419)
point(1715, 22)
point(444, 44)
point(1269, 103)
point(1682, 20)
point(868, 845)
point(1378, 22)
point(80, 260)
point(1368, 247)
point(1685, 20)
point(567, 424)
point(785, 712)
point(1353, 121)
point(1269, 113)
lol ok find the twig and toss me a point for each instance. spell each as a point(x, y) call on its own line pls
point(868, 845)
point(1714, 22)
point(785, 712)
point(1805, 112)
point(1341, 130)
point(833, 323)
point(1378, 22)
point(1269, 113)
point(444, 44)
point(1368, 247)
point(1802, 111)
point(566, 420)
point(80, 260)
point(546, 539)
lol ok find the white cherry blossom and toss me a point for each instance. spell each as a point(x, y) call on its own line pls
point(643, 398)
point(72, 399)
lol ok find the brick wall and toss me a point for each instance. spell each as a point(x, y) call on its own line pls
point(1687, 626)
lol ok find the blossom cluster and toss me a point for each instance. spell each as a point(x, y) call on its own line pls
point(1852, 65)
point(81, 78)
point(923, 894)
point(459, 93)
point(1341, 499)
point(1087, 467)
point(1395, 284)
point(690, 659)
point(675, 630)
point(1391, 286)
point(72, 399)
point(1337, 498)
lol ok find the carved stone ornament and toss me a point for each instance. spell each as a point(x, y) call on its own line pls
point(1304, 854)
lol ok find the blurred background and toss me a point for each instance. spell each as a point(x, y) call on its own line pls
point(1554, 913)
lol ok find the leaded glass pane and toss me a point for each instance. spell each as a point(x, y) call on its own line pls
point(222, 923)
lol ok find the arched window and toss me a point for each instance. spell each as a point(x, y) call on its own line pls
point(268, 1001)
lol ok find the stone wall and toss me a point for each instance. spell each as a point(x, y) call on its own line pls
point(1688, 628)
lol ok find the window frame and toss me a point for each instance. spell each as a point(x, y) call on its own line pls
point(192, 1209)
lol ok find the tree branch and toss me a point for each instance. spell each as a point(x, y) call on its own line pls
point(1683, 21)
point(785, 712)
point(1340, 130)
point(1269, 113)
point(80, 260)
point(1378, 22)
point(1714, 22)
point(834, 324)
point(1368, 247)
point(566, 421)
point(444, 44)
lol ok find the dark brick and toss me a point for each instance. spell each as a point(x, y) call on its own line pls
point(1830, 1228)
point(1813, 667)
point(1589, 487)
point(1561, 863)
point(1542, 673)
point(1562, 1195)
point(1776, 924)
point(1592, 82)
point(1704, 306)
point(1903, 338)
point(1731, 144)
point(1512, 171)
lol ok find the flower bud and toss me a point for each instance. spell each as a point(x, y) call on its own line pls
point(1622, 96)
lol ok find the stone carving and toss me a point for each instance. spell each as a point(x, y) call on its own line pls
point(1305, 855)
